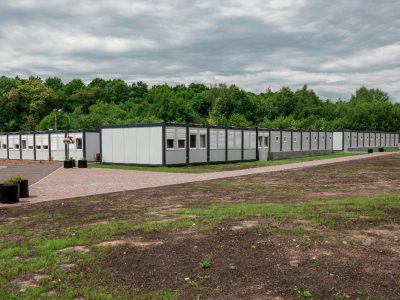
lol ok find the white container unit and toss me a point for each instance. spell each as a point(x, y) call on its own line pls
point(348, 140)
point(49, 145)
point(132, 144)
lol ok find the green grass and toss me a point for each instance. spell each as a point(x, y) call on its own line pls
point(207, 168)
point(337, 214)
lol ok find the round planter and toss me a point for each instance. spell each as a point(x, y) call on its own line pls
point(370, 150)
point(68, 164)
point(9, 193)
point(381, 150)
point(24, 189)
point(82, 163)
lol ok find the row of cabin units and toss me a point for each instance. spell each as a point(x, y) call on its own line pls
point(181, 144)
point(361, 140)
point(49, 145)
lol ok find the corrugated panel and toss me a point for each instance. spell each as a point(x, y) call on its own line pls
point(246, 135)
point(253, 140)
point(181, 133)
point(221, 138)
point(213, 139)
point(231, 139)
point(238, 140)
point(170, 133)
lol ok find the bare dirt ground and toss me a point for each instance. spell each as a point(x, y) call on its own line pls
point(327, 232)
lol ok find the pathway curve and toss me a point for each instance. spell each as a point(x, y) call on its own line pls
point(71, 183)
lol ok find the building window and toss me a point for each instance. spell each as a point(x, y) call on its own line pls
point(284, 139)
point(45, 147)
point(306, 138)
point(38, 147)
point(16, 146)
point(260, 139)
point(4, 146)
point(203, 143)
point(23, 144)
point(30, 147)
point(348, 137)
point(294, 139)
point(266, 141)
point(277, 138)
point(193, 141)
point(78, 143)
point(315, 138)
point(170, 143)
point(323, 138)
point(181, 144)
point(330, 138)
point(361, 137)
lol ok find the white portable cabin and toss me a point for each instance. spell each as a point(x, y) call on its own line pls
point(49, 145)
point(348, 140)
point(176, 144)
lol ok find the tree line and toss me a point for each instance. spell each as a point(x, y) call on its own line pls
point(29, 104)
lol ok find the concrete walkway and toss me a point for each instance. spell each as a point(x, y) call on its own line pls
point(71, 183)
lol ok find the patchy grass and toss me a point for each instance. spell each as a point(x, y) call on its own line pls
point(336, 214)
point(207, 168)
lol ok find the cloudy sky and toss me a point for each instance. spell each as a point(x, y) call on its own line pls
point(333, 46)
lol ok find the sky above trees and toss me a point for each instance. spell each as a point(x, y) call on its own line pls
point(333, 47)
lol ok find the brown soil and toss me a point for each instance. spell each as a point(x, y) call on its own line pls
point(253, 265)
point(250, 259)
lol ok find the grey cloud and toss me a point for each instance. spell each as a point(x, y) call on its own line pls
point(333, 47)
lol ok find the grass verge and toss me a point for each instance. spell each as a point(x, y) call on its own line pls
point(208, 168)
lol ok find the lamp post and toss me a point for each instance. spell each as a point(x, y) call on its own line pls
point(55, 110)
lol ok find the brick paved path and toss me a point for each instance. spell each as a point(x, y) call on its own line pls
point(71, 183)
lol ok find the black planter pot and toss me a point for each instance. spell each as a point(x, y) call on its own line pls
point(82, 163)
point(381, 150)
point(74, 163)
point(24, 189)
point(68, 164)
point(9, 193)
point(370, 150)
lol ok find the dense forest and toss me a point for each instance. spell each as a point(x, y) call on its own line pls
point(28, 104)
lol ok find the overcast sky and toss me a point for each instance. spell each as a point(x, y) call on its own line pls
point(333, 46)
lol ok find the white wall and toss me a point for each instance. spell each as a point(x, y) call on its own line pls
point(132, 145)
point(338, 141)
point(3, 151)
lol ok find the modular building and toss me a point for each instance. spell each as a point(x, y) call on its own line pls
point(181, 144)
point(348, 140)
point(49, 145)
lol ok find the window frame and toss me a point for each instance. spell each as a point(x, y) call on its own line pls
point(184, 143)
point(81, 143)
point(266, 141)
point(201, 135)
point(195, 141)
point(168, 145)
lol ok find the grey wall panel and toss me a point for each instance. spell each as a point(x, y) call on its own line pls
point(366, 139)
point(360, 139)
point(275, 141)
point(314, 140)
point(263, 153)
point(353, 143)
point(347, 140)
point(329, 141)
point(321, 136)
point(372, 139)
point(296, 141)
point(306, 141)
point(338, 141)
point(249, 154)
point(217, 155)
point(92, 145)
point(286, 141)
point(234, 154)
point(174, 157)
point(198, 156)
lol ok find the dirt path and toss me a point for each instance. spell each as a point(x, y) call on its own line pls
point(71, 183)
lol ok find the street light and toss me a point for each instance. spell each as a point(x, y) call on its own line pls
point(55, 110)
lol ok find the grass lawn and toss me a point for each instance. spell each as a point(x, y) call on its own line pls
point(224, 167)
point(327, 232)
